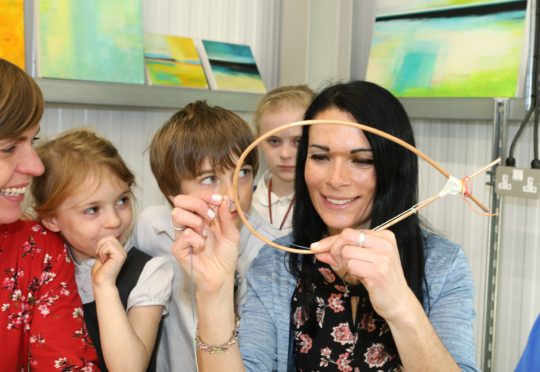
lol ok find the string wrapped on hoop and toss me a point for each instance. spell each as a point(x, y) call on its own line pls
point(453, 185)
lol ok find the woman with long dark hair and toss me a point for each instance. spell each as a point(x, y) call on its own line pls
point(368, 300)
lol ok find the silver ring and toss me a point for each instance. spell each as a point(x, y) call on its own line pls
point(361, 239)
point(178, 228)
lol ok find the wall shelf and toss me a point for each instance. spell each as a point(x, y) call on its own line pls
point(57, 91)
point(460, 108)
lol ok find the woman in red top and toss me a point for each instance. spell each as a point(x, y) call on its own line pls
point(41, 322)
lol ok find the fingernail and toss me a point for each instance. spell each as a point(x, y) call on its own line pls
point(205, 232)
point(315, 246)
point(211, 214)
point(217, 197)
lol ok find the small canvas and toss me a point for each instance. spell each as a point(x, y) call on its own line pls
point(174, 61)
point(231, 67)
point(12, 31)
point(98, 40)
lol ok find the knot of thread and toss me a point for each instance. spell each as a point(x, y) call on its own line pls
point(453, 186)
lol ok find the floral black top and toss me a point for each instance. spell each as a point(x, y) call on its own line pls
point(41, 320)
point(334, 342)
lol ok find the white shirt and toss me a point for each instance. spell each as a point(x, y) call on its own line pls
point(154, 235)
point(153, 287)
point(280, 205)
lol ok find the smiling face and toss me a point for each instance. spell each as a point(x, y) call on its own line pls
point(210, 181)
point(18, 164)
point(339, 173)
point(280, 149)
point(100, 207)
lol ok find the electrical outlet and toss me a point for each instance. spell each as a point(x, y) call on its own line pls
point(519, 182)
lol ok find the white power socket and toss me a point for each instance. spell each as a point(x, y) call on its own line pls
point(519, 182)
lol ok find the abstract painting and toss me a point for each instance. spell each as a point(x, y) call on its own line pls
point(232, 67)
point(99, 40)
point(472, 50)
point(387, 7)
point(173, 60)
point(12, 31)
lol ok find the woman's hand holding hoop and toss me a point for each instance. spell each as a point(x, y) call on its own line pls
point(207, 246)
point(376, 264)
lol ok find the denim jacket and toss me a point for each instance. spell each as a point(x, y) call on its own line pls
point(265, 317)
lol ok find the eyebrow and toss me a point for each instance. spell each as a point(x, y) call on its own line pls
point(353, 151)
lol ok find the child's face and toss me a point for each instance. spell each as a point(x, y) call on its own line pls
point(209, 181)
point(280, 149)
point(92, 213)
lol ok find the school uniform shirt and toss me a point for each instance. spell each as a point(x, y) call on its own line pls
point(280, 205)
point(41, 320)
point(154, 286)
point(155, 235)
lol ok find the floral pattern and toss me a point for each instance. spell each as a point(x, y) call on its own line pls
point(41, 320)
point(333, 341)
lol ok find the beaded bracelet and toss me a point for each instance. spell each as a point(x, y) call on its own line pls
point(219, 349)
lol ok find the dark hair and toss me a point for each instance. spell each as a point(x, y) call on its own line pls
point(396, 171)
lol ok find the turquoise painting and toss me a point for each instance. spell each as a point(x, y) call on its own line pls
point(98, 40)
point(472, 50)
point(232, 67)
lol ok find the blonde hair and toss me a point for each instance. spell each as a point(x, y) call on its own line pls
point(285, 96)
point(69, 159)
point(21, 101)
point(194, 134)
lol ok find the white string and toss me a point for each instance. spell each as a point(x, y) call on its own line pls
point(194, 323)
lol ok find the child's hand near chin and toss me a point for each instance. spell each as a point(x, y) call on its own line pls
point(110, 256)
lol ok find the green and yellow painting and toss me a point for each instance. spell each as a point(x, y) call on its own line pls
point(174, 61)
point(99, 40)
point(465, 49)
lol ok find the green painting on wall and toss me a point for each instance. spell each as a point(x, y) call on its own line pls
point(471, 50)
point(98, 40)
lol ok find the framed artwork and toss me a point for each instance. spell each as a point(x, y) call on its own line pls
point(12, 32)
point(98, 40)
point(231, 67)
point(461, 49)
point(174, 61)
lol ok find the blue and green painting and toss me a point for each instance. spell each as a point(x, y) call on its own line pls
point(233, 67)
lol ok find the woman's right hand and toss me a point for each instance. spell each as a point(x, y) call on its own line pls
point(208, 246)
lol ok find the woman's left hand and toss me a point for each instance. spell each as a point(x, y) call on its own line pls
point(374, 261)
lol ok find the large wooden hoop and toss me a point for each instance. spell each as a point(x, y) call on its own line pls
point(363, 127)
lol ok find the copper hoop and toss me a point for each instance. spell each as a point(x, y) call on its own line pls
point(363, 127)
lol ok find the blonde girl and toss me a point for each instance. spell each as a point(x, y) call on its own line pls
point(85, 194)
point(273, 198)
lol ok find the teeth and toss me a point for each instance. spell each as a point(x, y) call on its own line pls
point(339, 201)
point(13, 191)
